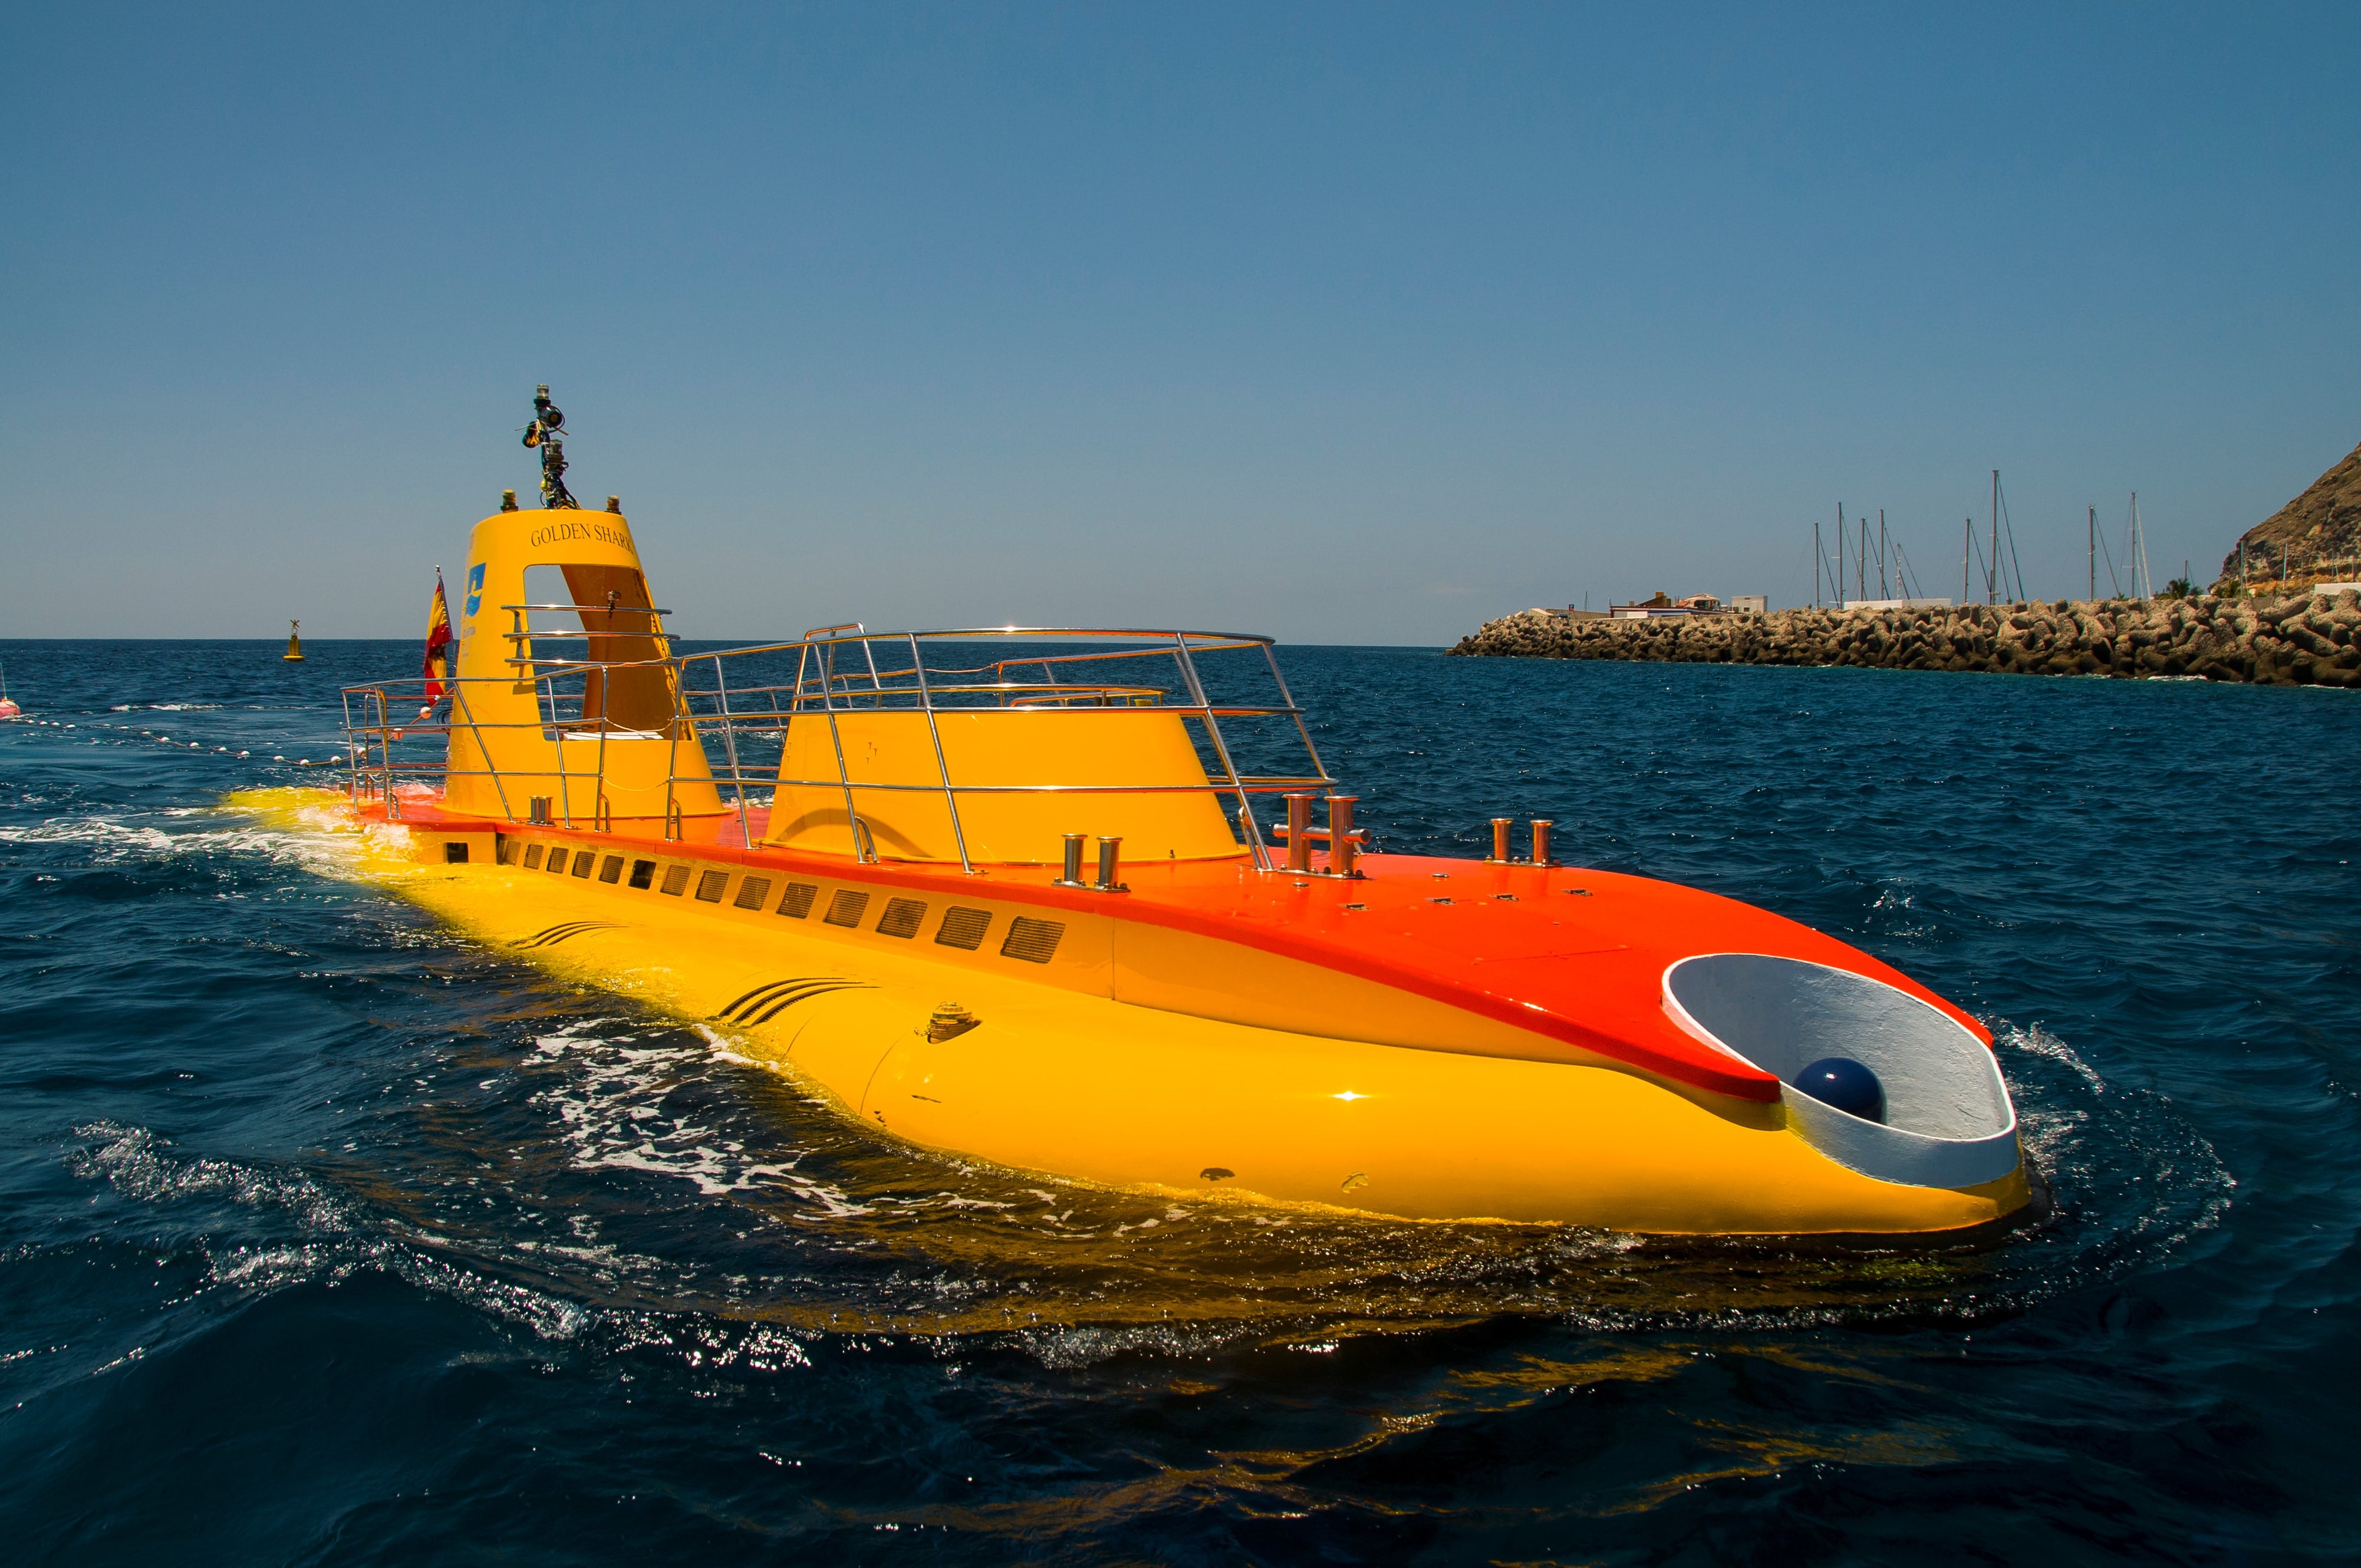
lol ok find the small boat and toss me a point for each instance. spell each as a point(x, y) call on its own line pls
point(7, 709)
point(1074, 901)
point(294, 653)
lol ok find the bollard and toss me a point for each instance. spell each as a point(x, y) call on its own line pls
point(1341, 848)
point(1073, 877)
point(1500, 839)
point(1108, 850)
point(1541, 842)
point(1299, 832)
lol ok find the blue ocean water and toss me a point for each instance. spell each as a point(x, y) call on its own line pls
point(329, 1236)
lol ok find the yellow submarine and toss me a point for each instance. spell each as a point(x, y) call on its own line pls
point(1006, 893)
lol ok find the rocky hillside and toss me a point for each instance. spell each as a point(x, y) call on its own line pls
point(2302, 640)
point(2319, 533)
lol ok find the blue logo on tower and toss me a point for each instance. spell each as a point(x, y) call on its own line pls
point(475, 591)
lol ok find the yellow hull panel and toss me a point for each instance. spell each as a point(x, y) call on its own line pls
point(1089, 1087)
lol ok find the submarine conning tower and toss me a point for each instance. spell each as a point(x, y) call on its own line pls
point(565, 707)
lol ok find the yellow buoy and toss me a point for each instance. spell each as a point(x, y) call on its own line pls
point(294, 643)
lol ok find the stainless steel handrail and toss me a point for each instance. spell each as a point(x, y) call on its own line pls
point(724, 713)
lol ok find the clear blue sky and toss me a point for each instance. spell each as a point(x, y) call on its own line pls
point(1352, 323)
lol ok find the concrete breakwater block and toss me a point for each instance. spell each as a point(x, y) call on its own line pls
point(2304, 640)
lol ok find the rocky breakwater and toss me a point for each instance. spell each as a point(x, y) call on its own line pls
point(2304, 640)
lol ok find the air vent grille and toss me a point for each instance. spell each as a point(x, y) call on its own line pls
point(1032, 940)
point(964, 929)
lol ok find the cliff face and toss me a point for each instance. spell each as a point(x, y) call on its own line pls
point(2302, 640)
point(2318, 526)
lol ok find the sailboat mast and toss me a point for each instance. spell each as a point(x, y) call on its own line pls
point(1991, 566)
point(2143, 580)
point(2094, 554)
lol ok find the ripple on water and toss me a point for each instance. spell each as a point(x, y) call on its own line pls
point(264, 1127)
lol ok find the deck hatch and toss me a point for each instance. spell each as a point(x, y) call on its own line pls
point(752, 893)
point(532, 853)
point(644, 873)
point(797, 902)
point(902, 917)
point(964, 929)
point(613, 871)
point(675, 881)
point(845, 908)
point(1032, 940)
point(709, 885)
point(584, 860)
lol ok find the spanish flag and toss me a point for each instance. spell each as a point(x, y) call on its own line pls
point(438, 642)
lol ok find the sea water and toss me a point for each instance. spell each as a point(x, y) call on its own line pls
point(329, 1234)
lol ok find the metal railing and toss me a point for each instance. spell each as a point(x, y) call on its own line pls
point(739, 724)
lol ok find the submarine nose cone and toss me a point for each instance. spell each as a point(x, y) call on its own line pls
point(1847, 1085)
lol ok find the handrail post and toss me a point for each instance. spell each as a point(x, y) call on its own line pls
point(934, 733)
point(870, 654)
point(836, 739)
point(600, 822)
point(352, 765)
point(1260, 851)
point(677, 669)
point(460, 700)
point(1287, 696)
point(730, 745)
point(565, 786)
point(385, 748)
